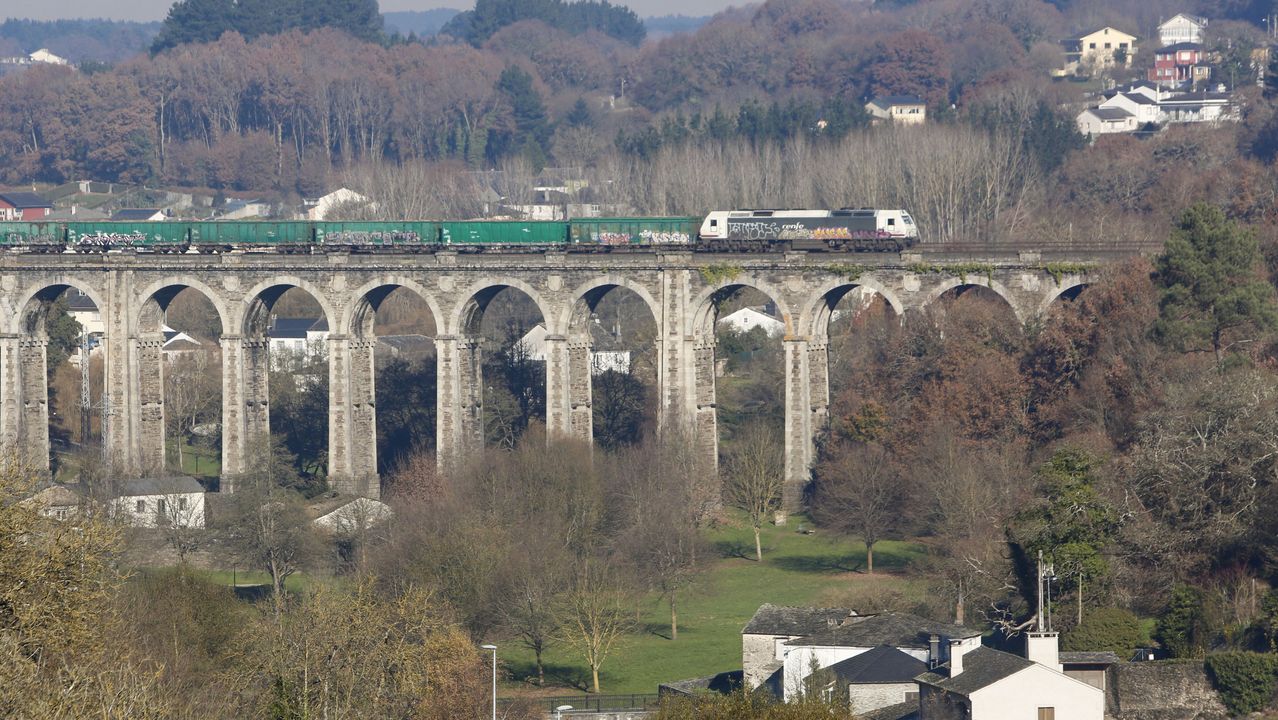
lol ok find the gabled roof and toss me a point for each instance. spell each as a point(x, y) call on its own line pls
point(1102, 29)
point(136, 214)
point(883, 664)
point(295, 328)
point(1199, 21)
point(890, 628)
point(1138, 98)
point(78, 301)
point(982, 667)
point(890, 101)
point(20, 200)
point(160, 486)
point(1088, 658)
point(772, 619)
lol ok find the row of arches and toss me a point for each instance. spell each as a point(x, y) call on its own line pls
point(246, 361)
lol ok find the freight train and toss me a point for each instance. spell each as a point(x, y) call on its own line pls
point(721, 231)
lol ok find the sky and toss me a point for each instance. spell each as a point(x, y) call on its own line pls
point(157, 9)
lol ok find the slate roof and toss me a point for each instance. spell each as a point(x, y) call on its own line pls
point(883, 664)
point(982, 667)
point(79, 301)
point(1088, 658)
point(901, 711)
point(722, 684)
point(772, 619)
point(295, 328)
point(19, 199)
point(134, 214)
point(1139, 99)
point(890, 628)
point(1178, 47)
point(1110, 113)
point(160, 486)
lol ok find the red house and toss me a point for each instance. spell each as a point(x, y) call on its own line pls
point(1179, 63)
point(23, 206)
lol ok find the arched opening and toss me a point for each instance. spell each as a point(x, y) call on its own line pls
point(613, 366)
point(1064, 296)
point(62, 412)
point(968, 305)
point(284, 382)
point(180, 383)
point(392, 344)
point(509, 345)
point(741, 393)
point(849, 322)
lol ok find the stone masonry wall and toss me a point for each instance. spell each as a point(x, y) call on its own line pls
point(1166, 690)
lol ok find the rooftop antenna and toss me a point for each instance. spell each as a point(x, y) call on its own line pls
point(1043, 622)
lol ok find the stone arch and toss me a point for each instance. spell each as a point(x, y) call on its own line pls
point(977, 281)
point(1067, 285)
point(704, 305)
point(358, 315)
point(466, 316)
point(253, 313)
point(162, 285)
point(30, 317)
point(587, 295)
point(815, 320)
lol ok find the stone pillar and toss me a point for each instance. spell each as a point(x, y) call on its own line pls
point(33, 389)
point(798, 426)
point(149, 361)
point(676, 380)
point(558, 382)
point(10, 394)
point(256, 376)
point(706, 423)
point(352, 417)
point(339, 430)
point(121, 424)
point(819, 391)
point(580, 389)
point(233, 441)
point(459, 422)
point(363, 417)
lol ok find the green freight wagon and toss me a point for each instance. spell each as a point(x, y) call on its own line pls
point(247, 235)
point(373, 235)
point(633, 231)
point(32, 235)
point(503, 232)
point(160, 236)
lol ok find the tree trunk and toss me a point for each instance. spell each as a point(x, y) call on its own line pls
point(869, 557)
point(541, 669)
point(594, 678)
point(758, 548)
point(674, 618)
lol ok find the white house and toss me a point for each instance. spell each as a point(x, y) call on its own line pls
point(296, 339)
point(981, 683)
point(1182, 28)
point(898, 109)
point(763, 639)
point(244, 209)
point(747, 319)
point(1198, 107)
point(1102, 121)
point(1141, 107)
point(56, 501)
point(319, 208)
point(924, 640)
point(160, 502)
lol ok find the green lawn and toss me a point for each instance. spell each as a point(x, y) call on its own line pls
point(797, 569)
point(198, 461)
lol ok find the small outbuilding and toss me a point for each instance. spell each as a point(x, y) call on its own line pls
point(160, 502)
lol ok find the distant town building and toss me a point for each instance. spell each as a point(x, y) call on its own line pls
point(534, 344)
point(352, 517)
point(1179, 64)
point(1097, 50)
point(245, 209)
point(296, 339)
point(44, 56)
point(1182, 28)
point(139, 215)
point(56, 501)
point(901, 109)
point(16, 205)
point(320, 208)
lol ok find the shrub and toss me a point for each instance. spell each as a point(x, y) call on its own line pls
point(1245, 680)
point(1113, 629)
point(1187, 624)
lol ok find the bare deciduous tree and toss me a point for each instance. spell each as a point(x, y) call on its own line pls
point(753, 477)
point(859, 492)
point(595, 612)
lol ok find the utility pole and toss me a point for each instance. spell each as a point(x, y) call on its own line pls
point(86, 398)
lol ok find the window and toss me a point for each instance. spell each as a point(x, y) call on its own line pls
point(181, 503)
point(891, 221)
point(1091, 46)
point(141, 506)
point(1107, 46)
point(159, 506)
point(1047, 713)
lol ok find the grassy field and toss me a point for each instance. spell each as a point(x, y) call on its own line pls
point(797, 569)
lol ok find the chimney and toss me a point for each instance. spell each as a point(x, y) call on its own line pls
point(934, 651)
point(957, 651)
point(1043, 648)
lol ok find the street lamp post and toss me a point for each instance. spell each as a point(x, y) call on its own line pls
point(493, 648)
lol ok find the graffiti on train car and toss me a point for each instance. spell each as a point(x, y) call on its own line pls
point(665, 237)
point(111, 239)
point(754, 230)
point(379, 237)
point(612, 238)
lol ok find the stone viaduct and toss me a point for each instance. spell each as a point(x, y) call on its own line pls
point(680, 288)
